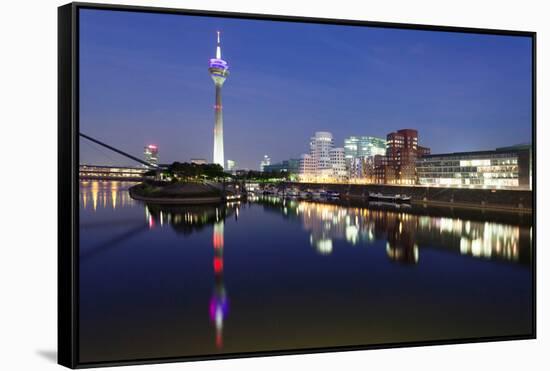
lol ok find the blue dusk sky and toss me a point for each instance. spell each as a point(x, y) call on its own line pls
point(144, 80)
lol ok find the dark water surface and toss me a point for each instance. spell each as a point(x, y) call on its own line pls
point(272, 275)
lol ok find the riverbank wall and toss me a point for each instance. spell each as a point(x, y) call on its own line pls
point(505, 199)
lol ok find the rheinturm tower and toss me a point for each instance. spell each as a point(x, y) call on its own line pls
point(219, 70)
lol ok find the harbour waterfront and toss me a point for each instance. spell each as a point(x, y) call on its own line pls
point(491, 198)
point(274, 274)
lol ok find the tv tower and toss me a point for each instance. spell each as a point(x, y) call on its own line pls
point(219, 70)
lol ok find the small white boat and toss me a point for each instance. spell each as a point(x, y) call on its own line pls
point(270, 191)
point(380, 196)
point(305, 194)
point(395, 198)
point(402, 198)
point(292, 192)
point(318, 193)
point(333, 194)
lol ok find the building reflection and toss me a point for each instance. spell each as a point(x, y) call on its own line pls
point(104, 194)
point(404, 233)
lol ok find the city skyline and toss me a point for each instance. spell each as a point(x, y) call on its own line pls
point(151, 81)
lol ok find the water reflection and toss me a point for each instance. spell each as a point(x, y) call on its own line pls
point(404, 232)
point(193, 218)
point(401, 236)
point(188, 219)
point(219, 304)
point(326, 223)
point(106, 194)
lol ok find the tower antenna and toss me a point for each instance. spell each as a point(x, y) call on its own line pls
point(218, 48)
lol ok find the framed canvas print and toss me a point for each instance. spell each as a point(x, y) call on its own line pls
point(235, 185)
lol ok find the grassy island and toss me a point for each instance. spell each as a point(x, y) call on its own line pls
point(182, 183)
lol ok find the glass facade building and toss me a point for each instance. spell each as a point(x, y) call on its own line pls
point(360, 147)
point(291, 166)
point(508, 167)
point(359, 154)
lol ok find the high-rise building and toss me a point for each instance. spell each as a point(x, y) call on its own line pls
point(401, 148)
point(360, 152)
point(151, 154)
point(265, 162)
point(231, 165)
point(219, 70)
point(307, 166)
point(290, 166)
point(365, 146)
point(338, 164)
point(319, 149)
point(399, 165)
point(323, 162)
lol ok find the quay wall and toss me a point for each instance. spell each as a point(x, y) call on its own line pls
point(521, 200)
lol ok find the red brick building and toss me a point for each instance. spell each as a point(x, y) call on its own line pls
point(399, 164)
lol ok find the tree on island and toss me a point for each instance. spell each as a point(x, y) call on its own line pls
point(264, 176)
point(193, 172)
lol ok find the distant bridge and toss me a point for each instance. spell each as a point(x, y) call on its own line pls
point(101, 172)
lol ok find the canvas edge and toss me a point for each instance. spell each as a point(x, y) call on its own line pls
point(66, 188)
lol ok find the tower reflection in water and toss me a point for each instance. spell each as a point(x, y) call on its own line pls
point(219, 305)
point(189, 219)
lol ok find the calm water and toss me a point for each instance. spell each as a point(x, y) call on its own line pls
point(273, 275)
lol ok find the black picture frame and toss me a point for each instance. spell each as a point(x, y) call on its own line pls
point(68, 192)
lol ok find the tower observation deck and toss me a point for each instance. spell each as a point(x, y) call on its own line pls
point(219, 70)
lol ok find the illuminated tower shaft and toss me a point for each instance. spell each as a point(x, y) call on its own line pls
point(219, 70)
point(218, 128)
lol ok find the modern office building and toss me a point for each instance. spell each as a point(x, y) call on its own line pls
point(290, 166)
point(219, 70)
point(307, 167)
point(508, 167)
point(319, 149)
point(151, 154)
point(266, 161)
point(399, 164)
point(401, 149)
point(365, 146)
point(360, 152)
point(231, 165)
point(323, 162)
point(338, 164)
